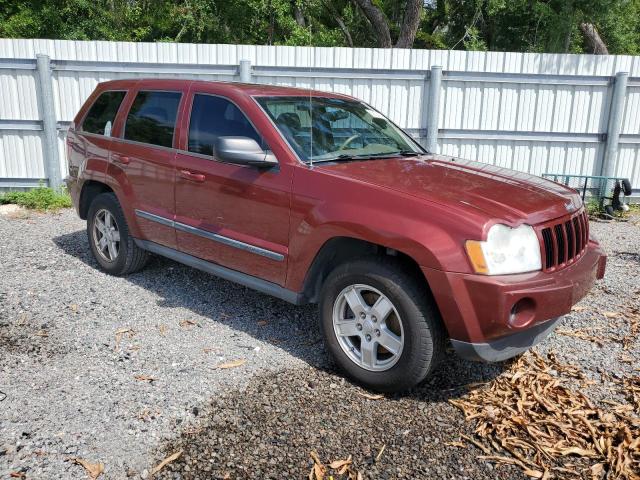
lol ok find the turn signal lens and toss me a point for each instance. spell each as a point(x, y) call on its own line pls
point(474, 251)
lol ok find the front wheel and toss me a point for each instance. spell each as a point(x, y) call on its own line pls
point(380, 324)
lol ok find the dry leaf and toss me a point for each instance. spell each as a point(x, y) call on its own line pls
point(582, 335)
point(339, 464)
point(597, 471)
point(380, 453)
point(120, 332)
point(192, 430)
point(233, 364)
point(42, 333)
point(165, 462)
point(94, 470)
point(163, 329)
point(187, 323)
point(456, 444)
point(531, 416)
point(144, 378)
point(533, 473)
point(611, 314)
point(262, 323)
point(74, 308)
point(318, 471)
point(477, 444)
point(370, 396)
point(18, 475)
point(578, 308)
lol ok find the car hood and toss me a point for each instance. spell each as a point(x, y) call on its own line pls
point(499, 192)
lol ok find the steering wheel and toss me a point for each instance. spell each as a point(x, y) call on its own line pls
point(346, 143)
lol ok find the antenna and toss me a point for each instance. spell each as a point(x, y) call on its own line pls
point(310, 97)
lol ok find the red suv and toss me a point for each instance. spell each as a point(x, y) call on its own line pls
point(317, 197)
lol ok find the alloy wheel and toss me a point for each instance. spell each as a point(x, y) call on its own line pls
point(368, 327)
point(106, 235)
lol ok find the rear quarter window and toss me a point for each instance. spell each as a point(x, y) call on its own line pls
point(100, 117)
point(152, 118)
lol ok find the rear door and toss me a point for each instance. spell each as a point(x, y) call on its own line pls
point(233, 215)
point(143, 159)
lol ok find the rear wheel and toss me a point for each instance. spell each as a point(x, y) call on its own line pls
point(112, 246)
point(380, 324)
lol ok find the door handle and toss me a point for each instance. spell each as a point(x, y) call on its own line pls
point(194, 177)
point(123, 159)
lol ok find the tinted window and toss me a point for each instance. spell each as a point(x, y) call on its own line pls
point(102, 113)
point(213, 117)
point(152, 118)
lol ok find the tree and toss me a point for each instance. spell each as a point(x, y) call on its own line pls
point(380, 23)
point(576, 26)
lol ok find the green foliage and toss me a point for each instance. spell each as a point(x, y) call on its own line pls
point(594, 209)
point(502, 25)
point(40, 198)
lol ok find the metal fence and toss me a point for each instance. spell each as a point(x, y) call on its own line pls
point(537, 113)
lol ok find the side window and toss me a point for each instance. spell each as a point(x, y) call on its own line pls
point(213, 117)
point(152, 118)
point(102, 113)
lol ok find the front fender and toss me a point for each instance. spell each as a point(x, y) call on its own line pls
point(430, 243)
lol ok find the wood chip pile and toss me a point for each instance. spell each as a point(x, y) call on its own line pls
point(535, 416)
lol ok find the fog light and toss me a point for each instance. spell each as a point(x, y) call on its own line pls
point(522, 313)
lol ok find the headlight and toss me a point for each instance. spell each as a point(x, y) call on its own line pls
point(506, 250)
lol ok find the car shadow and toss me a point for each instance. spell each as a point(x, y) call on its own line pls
point(219, 300)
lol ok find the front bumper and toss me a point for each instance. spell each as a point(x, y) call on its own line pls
point(505, 347)
point(478, 310)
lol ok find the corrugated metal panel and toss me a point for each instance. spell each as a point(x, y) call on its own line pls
point(498, 112)
point(21, 155)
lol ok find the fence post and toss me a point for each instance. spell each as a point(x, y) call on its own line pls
point(613, 128)
point(49, 123)
point(433, 108)
point(245, 71)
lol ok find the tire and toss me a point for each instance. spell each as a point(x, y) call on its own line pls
point(126, 257)
point(626, 187)
point(608, 210)
point(419, 327)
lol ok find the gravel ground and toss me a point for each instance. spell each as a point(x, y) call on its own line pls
point(122, 371)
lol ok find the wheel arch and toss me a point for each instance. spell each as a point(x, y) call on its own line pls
point(338, 250)
point(90, 190)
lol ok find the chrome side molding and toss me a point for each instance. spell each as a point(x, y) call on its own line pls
point(278, 257)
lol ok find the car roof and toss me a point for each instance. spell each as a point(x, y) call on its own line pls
point(250, 89)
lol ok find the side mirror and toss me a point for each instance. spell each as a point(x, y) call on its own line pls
point(243, 151)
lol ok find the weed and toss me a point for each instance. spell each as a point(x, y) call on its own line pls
point(40, 198)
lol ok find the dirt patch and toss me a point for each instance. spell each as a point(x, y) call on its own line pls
point(288, 424)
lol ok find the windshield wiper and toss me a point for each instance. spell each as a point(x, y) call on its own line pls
point(345, 157)
point(408, 153)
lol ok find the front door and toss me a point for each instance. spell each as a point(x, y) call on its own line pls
point(145, 154)
point(234, 215)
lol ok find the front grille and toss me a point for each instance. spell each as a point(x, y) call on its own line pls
point(563, 242)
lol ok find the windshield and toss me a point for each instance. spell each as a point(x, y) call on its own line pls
point(326, 129)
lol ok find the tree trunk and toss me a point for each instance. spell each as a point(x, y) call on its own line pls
point(345, 31)
point(378, 22)
point(298, 15)
point(340, 22)
point(595, 42)
point(410, 24)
